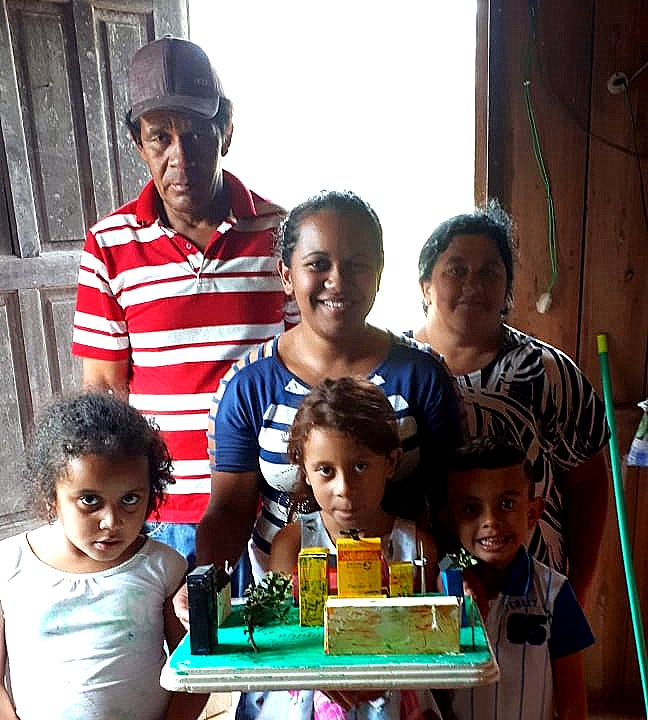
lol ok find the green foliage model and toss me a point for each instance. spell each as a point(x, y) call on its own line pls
point(265, 602)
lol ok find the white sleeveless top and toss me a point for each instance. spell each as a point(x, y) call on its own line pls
point(398, 545)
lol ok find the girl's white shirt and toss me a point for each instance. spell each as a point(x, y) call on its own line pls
point(86, 646)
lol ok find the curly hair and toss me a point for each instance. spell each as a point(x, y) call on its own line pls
point(490, 220)
point(90, 423)
point(350, 405)
point(342, 202)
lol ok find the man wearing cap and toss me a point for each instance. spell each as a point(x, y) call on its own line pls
point(178, 283)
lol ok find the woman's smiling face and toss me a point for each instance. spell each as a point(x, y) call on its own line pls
point(334, 272)
point(466, 290)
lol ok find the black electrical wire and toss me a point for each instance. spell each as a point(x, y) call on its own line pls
point(567, 107)
point(633, 126)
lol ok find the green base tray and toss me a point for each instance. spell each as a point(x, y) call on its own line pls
point(291, 657)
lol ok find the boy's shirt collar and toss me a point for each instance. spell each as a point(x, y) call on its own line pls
point(519, 579)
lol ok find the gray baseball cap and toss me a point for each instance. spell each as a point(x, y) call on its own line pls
point(173, 74)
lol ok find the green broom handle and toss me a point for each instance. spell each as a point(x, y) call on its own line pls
point(626, 550)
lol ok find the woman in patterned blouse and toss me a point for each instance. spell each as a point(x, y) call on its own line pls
point(516, 386)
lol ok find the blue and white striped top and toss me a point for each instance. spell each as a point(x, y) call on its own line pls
point(256, 404)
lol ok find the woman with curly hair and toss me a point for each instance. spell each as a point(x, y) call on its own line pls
point(516, 386)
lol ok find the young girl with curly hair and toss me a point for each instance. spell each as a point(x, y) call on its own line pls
point(86, 598)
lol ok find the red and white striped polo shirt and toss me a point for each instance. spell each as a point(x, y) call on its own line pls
point(182, 317)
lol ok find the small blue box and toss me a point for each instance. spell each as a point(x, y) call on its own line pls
point(452, 578)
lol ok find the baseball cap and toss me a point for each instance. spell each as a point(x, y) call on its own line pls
point(173, 74)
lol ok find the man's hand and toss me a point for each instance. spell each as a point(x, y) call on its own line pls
point(181, 605)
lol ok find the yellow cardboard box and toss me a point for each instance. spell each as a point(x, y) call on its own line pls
point(392, 626)
point(313, 585)
point(359, 571)
point(401, 579)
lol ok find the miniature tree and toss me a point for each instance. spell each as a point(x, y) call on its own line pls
point(265, 602)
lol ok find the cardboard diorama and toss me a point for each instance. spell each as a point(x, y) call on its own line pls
point(364, 604)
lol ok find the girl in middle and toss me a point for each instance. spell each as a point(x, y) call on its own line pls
point(345, 444)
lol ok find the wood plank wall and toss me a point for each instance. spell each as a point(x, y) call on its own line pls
point(587, 143)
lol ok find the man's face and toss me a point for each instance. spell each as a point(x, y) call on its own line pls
point(183, 154)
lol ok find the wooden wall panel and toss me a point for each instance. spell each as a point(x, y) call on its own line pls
point(5, 203)
point(108, 35)
point(636, 483)
point(46, 80)
point(607, 608)
point(558, 56)
point(21, 224)
point(481, 100)
point(58, 313)
point(602, 248)
point(14, 414)
point(615, 300)
point(497, 95)
point(611, 665)
point(48, 314)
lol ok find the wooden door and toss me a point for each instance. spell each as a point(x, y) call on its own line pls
point(65, 160)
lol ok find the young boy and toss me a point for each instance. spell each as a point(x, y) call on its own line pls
point(534, 622)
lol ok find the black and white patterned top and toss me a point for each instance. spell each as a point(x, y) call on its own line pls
point(535, 396)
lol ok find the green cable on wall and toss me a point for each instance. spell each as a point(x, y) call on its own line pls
point(544, 301)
